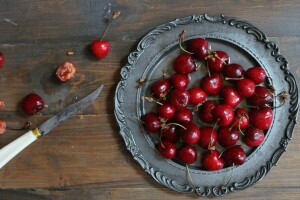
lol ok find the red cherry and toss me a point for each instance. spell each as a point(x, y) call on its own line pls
point(261, 118)
point(65, 71)
point(2, 59)
point(166, 111)
point(246, 87)
point(241, 118)
point(211, 84)
point(187, 154)
point(160, 88)
point(184, 116)
point(2, 126)
point(180, 98)
point(197, 96)
point(167, 149)
point(228, 136)
point(256, 74)
point(217, 61)
point(206, 111)
point(151, 123)
point(191, 134)
point(224, 114)
point(184, 64)
point(208, 137)
point(100, 48)
point(234, 155)
point(254, 137)
point(32, 104)
point(199, 47)
point(261, 96)
point(212, 161)
point(231, 96)
point(180, 81)
point(170, 133)
point(234, 70)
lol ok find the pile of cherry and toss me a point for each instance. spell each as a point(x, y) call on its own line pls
point(217, 102)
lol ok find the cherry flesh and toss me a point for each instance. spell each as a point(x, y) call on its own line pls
point(151, 122)
point(2, 126)
point(65, 71)
point(2, 59)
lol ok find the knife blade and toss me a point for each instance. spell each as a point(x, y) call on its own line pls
point(12, 149)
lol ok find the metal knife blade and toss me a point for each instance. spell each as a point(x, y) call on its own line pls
point(66, 113)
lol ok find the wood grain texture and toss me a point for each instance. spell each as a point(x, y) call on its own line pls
point(85, 158)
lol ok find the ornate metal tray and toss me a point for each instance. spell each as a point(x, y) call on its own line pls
point(245, 44)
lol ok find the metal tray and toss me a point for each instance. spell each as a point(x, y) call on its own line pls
point(246, 45)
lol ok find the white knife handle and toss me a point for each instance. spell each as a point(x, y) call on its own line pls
point(16, 146)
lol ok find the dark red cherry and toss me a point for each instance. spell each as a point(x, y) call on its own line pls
point(234, 70)
point(187, 154)
point(100, 48)
point(231, 96)
point(180, 81)
point(167, 149)
point(191, 133)
point(200, 48)
point(206, 109)
point(254, 137)
point(224, 114)
point(212, 84)
point(212, 161)
point(32, 104)
point(241, 118)
point(197, 96)
point(208, 137)
point(228, 136)
point(169, 132)
point(184, 64)
point(151, 123)
point(256, 74)
point(2, 59)
point(180, 98)
point(184, 116)
point(234, 156)
point(261, 96)
point(261, 118)
point(217, 61)
point(166, 111)
point(160, 88)
point(246, 87)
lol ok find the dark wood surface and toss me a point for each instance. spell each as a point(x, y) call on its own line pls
point(85, 158)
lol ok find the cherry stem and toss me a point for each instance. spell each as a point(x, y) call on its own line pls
point(190, 180)
point(216, 55)
point(175, 125)
point(181, 39)
point(231, 175)
point(115, 15)
point(210, 147)
point(224, 151)
point(208, 71)
point(160, 139)
point(236, 79)
point(150, 99)
point(138, 119)
point(284, 96)
point(198, 66)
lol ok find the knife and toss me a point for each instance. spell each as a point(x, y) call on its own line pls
point(16, 146)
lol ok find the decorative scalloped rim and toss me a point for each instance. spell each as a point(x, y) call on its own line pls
point(126, 132)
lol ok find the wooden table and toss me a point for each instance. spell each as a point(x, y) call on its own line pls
point(85, 158)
